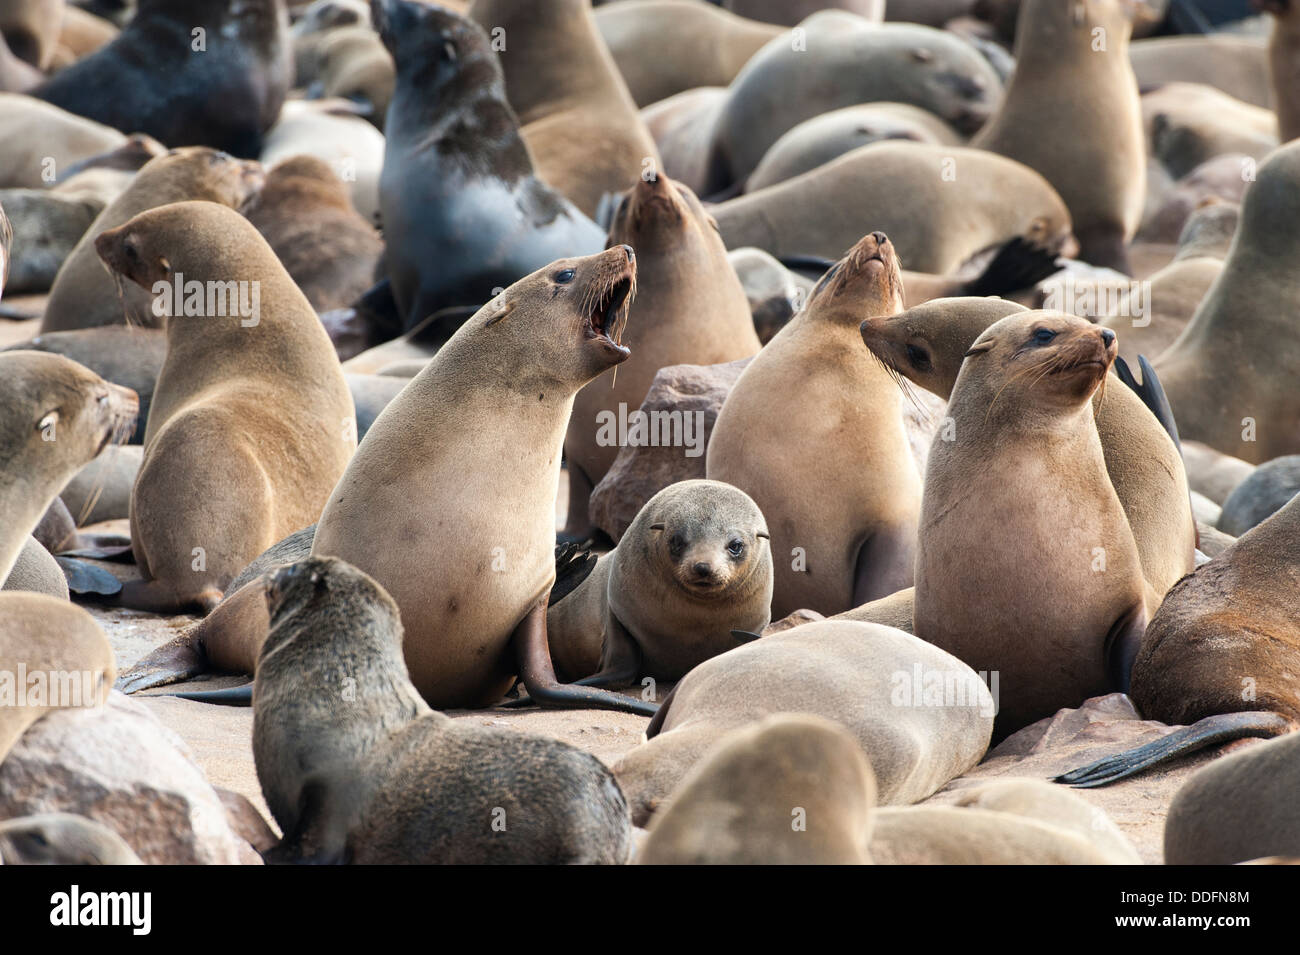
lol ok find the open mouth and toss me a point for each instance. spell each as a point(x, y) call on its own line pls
point(608, 316)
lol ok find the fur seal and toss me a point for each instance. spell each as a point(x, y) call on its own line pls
point(1238, 65)
point(1188, 124)
point(1213, 473)
point(228, 65)
point(693, 567)
point(926, 345)
point(1073, 81)
point(489, 410)
point(1284, 64)
point(60, 838)
point(744, 803)
point(763, 443)
point(958, 202)
point(48, 226)
point(382, 778)
point(866, 677)
point(304, 212)
point(1238, 808)
point(663, 47)
point(31, 29)
point(84, 294)
point(459, 154)
point(257, 457)
point(1220, 658)
point(577, 117)
point(353, 65)
point(692, 310)
point(65, 138)
point(681, 126)
point(842, 60)
point(1025, 465)
point(1266, 491)
point(1243, 322)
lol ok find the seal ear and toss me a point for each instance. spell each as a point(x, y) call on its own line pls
point(657, 527)
point(164, 264)
point(505, 309)
point(763, 534)
point(978, 348)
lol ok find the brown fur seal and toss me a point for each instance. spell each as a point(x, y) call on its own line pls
point(1065, 52)
point(578, 118)
point(488, 411)
point(83, 32)
point(792, 789)
point(31, 29)
point(663, 47)
point(15, 75)
point(60, 838)
point(692, 310)
point(356, 768)
point(83, 294)
point(680, 126)
point(305, 214)
point(926, 344)
point(257, 458)
point(1238, 65)
point(1237, 808)
point(464, 214)
point(65, 139)
point(842, 60)
point(1243, 322)
point(1212, 472)
point(48, 226)
point(921, 715)
point(225, 83)
point(1057, 607)
point(1284, 64)
point(1188, 124)
point(693, 567)
point(853, 539)
point(353, 65)
point(958, 202)
point(1220, 654)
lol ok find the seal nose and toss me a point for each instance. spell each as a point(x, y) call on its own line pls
point(702, 569)
point(631, 256)
point(1107, 336)
point(880, 238)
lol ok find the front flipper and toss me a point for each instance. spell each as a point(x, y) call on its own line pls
point(1122, 645)
point(885, 565)
point(534, 658)
point(620, 657)
point(174, 661)
point(1221, 728)
point(84, 578)
point(1152, 394)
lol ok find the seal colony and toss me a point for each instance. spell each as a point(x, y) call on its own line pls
point(350, 329)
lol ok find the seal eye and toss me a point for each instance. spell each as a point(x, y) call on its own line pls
point(565, 276)
point(736, 548)
point(919, 359)
point(676, 544)
point(1044, 336)
point(449, 51)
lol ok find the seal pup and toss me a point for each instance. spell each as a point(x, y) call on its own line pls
point(83, 294)
point(1243, 322)
point(693, 567)
point(356, 767)
point(225, 84)
point(1074, 84)
point(60, 838)
point(1221, 657)
point(454, 149)
point(872, 679)
point(853, 540)
point(304, 212)
point(853, 61)
point(1018, 505)
point(692, 310)
point(577, 116)
point(1238, 808)
point(926, 345)
point(488, 411)
point(940, 205)
point(251, 414)
point(743, 803)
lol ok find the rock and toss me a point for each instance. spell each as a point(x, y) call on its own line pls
point(639, 473)
point(119, 766)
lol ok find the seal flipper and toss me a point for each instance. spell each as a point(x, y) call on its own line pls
point(538, 673)
point(174, 661)
point(315, 838)
point(1152, 394)
point(620, 657)
point(573, 565)
point(84, 578)
point(1018, 264)
point(1221, 728)
point(1122, 645)
point(158, 597)
point(232, 696)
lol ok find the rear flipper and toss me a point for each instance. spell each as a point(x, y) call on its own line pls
point(1019, 264)
point(232, 696)
point(84, 578)
point(1221, 728)
point(159, 597)
point(1152, 394)
point(573, 565)
point(174, 661)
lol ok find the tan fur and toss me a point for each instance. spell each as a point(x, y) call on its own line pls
point(1284, 65)
point(741, 804)
point(575, 112)
point(908, 191)
point(1235, 64)
point(1188, 124)
point(64, 137)
point(1065, 90)
point(1212, 472)
point(1015, 509)
point(1234, 359)
point(251, 423)
point(84, 294)
point(813, 432)
point(943, 835)
point(83, 33)
point(482, 424)
point(59, 838)
point(1142, 462)
point(31, 29)
point(858, 674)
point(690, 309)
